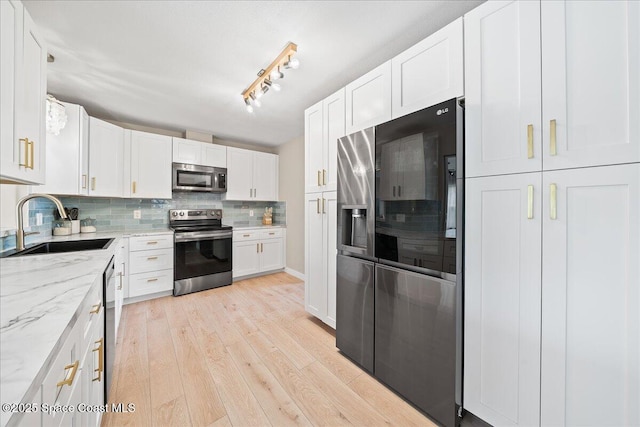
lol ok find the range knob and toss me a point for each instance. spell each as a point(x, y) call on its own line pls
point(174, 213)
point(181, 213)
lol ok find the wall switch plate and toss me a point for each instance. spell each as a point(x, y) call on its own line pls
point(251, 212)
point(38, 218)
point(137, 214)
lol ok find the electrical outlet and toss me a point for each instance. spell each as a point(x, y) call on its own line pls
point(137, 214)
point(39, 219)
point(251, 212)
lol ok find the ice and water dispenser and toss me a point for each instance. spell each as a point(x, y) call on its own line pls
point(354, 227)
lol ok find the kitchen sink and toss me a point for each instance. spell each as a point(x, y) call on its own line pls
point(66, 246)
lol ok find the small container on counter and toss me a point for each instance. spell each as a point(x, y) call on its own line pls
point(88, 225)
point(61, 227)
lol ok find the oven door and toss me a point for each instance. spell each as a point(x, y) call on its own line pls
point(202, 253)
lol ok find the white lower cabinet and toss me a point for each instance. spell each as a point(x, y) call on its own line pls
point(552, 297)
point(76, 375)
point(120, 265)
point(320, 255)
point(150, 270)
point(257, 251)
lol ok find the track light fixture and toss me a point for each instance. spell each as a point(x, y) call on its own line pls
point(265, 79)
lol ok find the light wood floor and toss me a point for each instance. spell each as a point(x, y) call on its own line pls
point(242, 355)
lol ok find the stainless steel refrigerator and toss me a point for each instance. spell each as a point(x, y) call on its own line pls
point(399, 265)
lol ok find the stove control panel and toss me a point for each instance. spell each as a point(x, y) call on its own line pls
point(200, 214)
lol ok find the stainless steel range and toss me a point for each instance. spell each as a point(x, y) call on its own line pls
point(203, 250)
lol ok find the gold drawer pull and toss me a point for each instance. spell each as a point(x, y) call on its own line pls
point(261, 248)
point(324, 177)
point(246, 235)
point(323, 200)
point(151, 258)
point(553, 201)
point(530, 202)
point(133, 184)
point(257, 248)
point(100, 369)
point(30, 147)
point(69, 380)
point(271, 234)
point(319, 181)
point(95, 309)
point(152, 242)
point(152, 280)
point(318, 205)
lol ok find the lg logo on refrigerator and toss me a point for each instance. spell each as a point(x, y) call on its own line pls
point(444, 110)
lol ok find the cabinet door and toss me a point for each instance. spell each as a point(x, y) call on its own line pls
point(106, 158)
point(214, 155)
point(313, 147)
point(265, 176)
point(429, 72)
point(590, 81)
point(334, 121)
point(12, 152)
point(502, 299)
point(186, 151)
point(246, 258)
point(502, 88)
point(239, 174)
point(329, 244)
point(368, 99)
point(315, 287)
point(31, 120)
point(68, 156)
point(150, 165)
point(591, 297)
point(271, 254)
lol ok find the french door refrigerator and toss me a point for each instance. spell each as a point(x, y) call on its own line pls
point(399, 281)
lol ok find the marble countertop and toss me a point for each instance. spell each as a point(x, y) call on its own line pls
point(40, 296)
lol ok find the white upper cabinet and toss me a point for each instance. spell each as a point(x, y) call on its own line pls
point(551, 85)
point(429, 72)
point(106, 159)
point(502, 298)
point(199, 153)
point(591, 83)
point(23, 82)
point(591, 297)
point(368, 99)
point(324, 125)
point(150, 165)
point(502, 88)
point(251, 175)
point(68, 156)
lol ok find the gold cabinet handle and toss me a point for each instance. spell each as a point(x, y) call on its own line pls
point(319, 182)
point(100, 369)
point(323, 210)
point(324, 177)
point(84, 181)
point(26, 152)
point(133, 184)
point(318, 205)
point(93, 183)
point(394, 191)
point(530, 141)
point(152, 280)
point(95, 309)
point(30, 145)
point(69, 379)
point(399, 190)
point(120, 286)
point(152, 242)
point(530, 202)
point(257, 248)
point(261, 248)
point(553, 201)
point(271, 234)
point(152, 258)
point(553, 149)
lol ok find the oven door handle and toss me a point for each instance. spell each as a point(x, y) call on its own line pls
point(194, 236)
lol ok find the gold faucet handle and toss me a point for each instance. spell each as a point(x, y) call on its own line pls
point(29, 233)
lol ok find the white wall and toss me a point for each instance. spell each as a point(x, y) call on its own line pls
point(291, 190)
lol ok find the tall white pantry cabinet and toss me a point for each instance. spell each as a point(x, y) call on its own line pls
point(552, 281)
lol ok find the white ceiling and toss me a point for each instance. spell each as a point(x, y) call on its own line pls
point(180, 65)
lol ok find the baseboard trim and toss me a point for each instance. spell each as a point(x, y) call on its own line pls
point(295, 273)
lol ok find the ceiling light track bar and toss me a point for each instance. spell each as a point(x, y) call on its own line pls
point(284, 56)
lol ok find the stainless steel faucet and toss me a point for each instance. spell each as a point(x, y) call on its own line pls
point(20, 232)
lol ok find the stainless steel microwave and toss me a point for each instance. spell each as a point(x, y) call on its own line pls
point(199, 178)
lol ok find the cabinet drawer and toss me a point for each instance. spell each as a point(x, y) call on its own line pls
point(271, 234)
point(239, 236)
point(142, 243)
point(149, 283)
point(91, 312)
point(66, 367)
point(154, 260)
